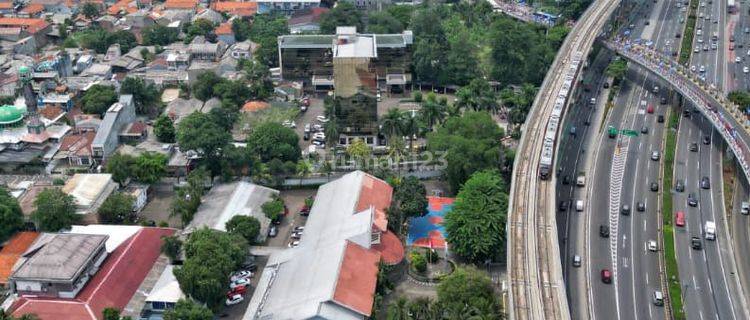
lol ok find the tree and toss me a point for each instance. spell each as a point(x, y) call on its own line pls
point(11, 216)
point(241, 29)
point(264, 31)
point(188, 310)
point(164, 129)
point(273, 208)
point(476, 225)
point(411, 197)
point(149, 167)
point(432, 112)
point(203, 88)
point(159, 35)
point(145, 95)
point(271, 140)
point(392, 123)
point(617, 68)
point(234, 93)
point(382, 22)
point(477, 96)
point(90, 10)
point(188, 199)
point(117, 209)
point(471, 143)
point(55, 210)
point(468, 287)
point(126, 39)
point(119, 165)
point(258, 74)
point(98, 99)
point(171, 246)
point(245, 226)
point(402, 14)
point(343, 14)
point(741, 98)
point(210, 258)
point(520, 52)
point(418, 262)
point(111, 313)
point(198, 132)
point(199, 27)
point(359, 150)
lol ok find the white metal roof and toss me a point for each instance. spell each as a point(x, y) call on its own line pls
point(117, 233)
point(166, 289)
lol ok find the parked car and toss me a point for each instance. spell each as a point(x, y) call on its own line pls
point(239, 282)
point(241, 290)
point(299, 229)
point(296, 235)
point(273, 231)
point(322, 119)
point(235, 299)
point(243, 274)
point(293, 244)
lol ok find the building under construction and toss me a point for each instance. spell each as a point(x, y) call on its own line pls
point(311, 58)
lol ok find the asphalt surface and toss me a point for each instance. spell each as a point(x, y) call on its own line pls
point(739, 27)
point(740, 231)
point(714, 22)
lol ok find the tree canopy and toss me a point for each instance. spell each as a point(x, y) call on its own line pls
point(159, 35)
point(100, 40)
point(344, 14)
point(201, 133)
point(273, 208)
point(264, 31)
point(117, 209)
point(164, 129)
point(383, 22)
point(145, 95)
point(11, 216)
point(171, 246)
point(468, 289)
point(476, 225)
point(186, 309)
point(245, 226)
point(54, 211)
point(148, 167)
point(471, 143)
point(271, 140)
point(210, 258)
point(98, 99)
point(741, 98)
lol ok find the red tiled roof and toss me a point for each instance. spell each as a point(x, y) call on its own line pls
point(180, 4)
point(374, 192)
point(51, 112)
point(13, 250)
point(252, 106)
point(30, 24)
point(390, 248)
point(358, 275)
point(224, 28)
point(137, 127)
point(123, 5)
point(78, 143)
point(6, 5)
point(237, 8)
point(112, 286)
point(32, 8)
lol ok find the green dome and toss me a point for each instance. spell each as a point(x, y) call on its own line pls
point(10, 114)
point(23, 69)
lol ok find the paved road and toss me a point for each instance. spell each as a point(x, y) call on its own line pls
point(740, 231)
point(739, 26)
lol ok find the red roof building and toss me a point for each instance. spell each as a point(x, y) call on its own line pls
point(112, 286)
point(224, 29)
point(32, 10)
point(12, 251)
point(27, 24)
point(180, 4)
point(242, 9)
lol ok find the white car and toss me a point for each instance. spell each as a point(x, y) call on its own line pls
point(307, 127)
point(745, 69)
point(235, 299)
point(299, 229)
point(293, 244)
point(239, 282)
point(748, 52)
point(700, 40)
point(322, 118)
point(697, 49)
point(693, 68)
point(244, 274)
point(714, 46)
point(652, 245)
point(703, 69)
point(317, 127)
point(289, 124)
point(738, 59)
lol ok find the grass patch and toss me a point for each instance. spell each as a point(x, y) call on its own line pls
point(276, 112)
point(687, 36)
point(670, 257)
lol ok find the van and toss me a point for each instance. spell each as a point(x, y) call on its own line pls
point(658, 298)
point(579, 205)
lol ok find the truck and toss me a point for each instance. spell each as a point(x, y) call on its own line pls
point(710, 230)
point(581, 179)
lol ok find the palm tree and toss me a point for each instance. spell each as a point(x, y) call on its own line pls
point(332, 131)
point(398, 310)
point(411, 128)
point(432, 113)
point(392, 123)
point(303, 170)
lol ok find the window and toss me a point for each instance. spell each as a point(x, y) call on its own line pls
point(369, 140)
point(342, 140)
point(158, 305)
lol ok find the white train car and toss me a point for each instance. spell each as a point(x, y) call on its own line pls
point(555, 119)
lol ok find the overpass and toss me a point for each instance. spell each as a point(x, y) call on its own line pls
point(725, 116)
point(537, 287)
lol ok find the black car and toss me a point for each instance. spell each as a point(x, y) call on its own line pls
point(696, 243)
point(693, 147)
point(606, 84)
point(641, 206)
point(654, 186)
point(604, 231)
point(705, 183)
point(686, 113)
point(644, 130)
point(566, 180)
point(625, 210)
point(679, 186)
point(663, 100)
point(660, 118)
point(306, 136)
point(563, 205)
point(706, 139)
point(692, 201)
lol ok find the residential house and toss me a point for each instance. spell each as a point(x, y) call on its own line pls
point(119, 115)
point(12, 251)
point(7, 9)
point(75, 148)
point(8, 84)
point(32, 10)
point(306, 21)
point(134, 132)
point(183, 5)
point(164, 295)
point(139, 192)
point(232, 8)
point(286, 6)
point(333, 272)
point(55, 6)
point(243, 50)
point(181, 108)
point(123, 7)
point(206, 51)
point(210, 15)
point(178, 60)
point(35, 28)
point(89, 191)
point(224, 33)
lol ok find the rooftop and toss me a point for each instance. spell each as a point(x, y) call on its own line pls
point(321, 41)
point(12, 251)
point(166, 289)
point(59, 257)
point(87, 187)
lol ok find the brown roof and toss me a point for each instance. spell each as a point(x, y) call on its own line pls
point(137, 127)
point(51, 112)
point(307, 16)
point(33, 8)
point(30, 24)
point(224, 28)
point(124, 5)
point(77, 143)
point(358, 275)
point(180, 4)
point(6, 5)
point(13, 250)
point(237, 8)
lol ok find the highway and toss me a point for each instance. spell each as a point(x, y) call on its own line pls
point(537, 288)
point(709, 53)
point(739, 225)
point(739, 27)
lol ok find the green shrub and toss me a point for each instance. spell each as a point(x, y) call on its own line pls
point(418, 262)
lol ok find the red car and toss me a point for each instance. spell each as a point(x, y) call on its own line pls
point(286, 210)
point(241, 290)
point(606, 276)
point(679, 219)
point(650, 109)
